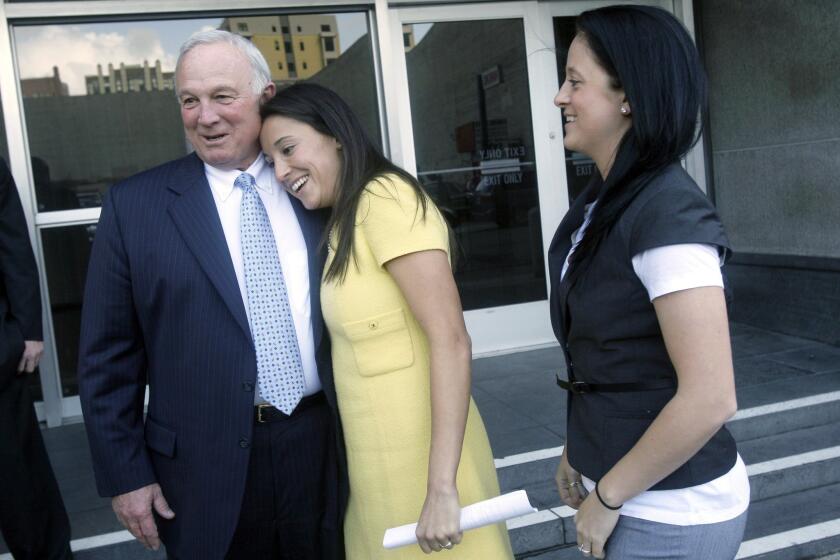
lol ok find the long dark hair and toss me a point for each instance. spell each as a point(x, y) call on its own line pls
point(361, 161)
point(649, 54)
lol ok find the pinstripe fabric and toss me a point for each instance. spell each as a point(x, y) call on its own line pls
point(288, 481)
point(162, 305)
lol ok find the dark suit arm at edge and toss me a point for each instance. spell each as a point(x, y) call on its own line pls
point(18, 271)
point(112, 364)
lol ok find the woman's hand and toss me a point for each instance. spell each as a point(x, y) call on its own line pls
point(439, 526)
point(569, 484)
point(594, 524)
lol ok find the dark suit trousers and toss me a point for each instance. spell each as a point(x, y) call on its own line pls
point(290, 506)
point(32, 516)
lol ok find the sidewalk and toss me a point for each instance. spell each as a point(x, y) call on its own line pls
point(523, 410)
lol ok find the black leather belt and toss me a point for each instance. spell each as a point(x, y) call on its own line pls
point(581, 387)
point(267, 413)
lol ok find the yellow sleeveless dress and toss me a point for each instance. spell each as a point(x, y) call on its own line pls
point(381, 366)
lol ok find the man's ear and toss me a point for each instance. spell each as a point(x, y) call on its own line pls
point(268, 92)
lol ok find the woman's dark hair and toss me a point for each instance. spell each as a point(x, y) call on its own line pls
point(361, 160)
point(648, 53)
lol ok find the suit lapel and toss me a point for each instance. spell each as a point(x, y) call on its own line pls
point(312, 226)
point(197, 219)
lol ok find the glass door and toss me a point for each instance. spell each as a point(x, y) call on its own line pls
point(479, 144)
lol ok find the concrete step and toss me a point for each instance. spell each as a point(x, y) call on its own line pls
point(780, 417)
point(130, 550)
point(754, 423)
point(789, 450)
point(780, 477)
point(777, 465)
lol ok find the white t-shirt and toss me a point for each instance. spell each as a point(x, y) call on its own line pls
point(664, 270)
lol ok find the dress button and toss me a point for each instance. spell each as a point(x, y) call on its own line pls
point(248, 387)
point(243, 443)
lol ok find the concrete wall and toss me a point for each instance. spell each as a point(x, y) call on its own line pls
point(775, 122)
point(775, 136)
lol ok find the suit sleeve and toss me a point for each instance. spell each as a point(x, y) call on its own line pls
point(18, 272)
point(112, 364)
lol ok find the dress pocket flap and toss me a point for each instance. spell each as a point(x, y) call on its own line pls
point(381, 343)
point(375, 325)
point(160, 439)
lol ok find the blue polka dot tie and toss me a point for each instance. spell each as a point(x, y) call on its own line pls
point(279, 369)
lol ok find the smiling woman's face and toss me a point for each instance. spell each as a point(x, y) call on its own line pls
point(594, 121)
point(306, 163)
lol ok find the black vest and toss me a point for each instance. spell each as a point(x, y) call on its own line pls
point(608, 328)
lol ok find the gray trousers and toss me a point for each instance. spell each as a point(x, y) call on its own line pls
point(640, 539)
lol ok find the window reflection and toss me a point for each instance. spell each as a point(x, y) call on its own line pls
point(66, 253)
point(99, 99)
point(475, 153)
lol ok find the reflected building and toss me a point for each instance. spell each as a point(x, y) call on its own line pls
point(408, 37)
point(130, 77)
point(105, 138)
point(296, 47)
point(51, 86)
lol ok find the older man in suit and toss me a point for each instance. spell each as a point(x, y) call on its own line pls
point(204, 284)
point(32, 516)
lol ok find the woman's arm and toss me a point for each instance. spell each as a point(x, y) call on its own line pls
point(425, 279)
point(695, 328)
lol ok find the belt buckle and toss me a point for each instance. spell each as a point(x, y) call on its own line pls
point(579, 387)
point(260, 408)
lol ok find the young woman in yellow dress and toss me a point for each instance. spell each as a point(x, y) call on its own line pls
point(416, 446)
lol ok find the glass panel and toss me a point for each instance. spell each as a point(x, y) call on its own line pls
point(99, 101)
point(475, 153)
point(579, 168)
point(66, 253)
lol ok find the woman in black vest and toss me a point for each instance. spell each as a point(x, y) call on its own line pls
point(638, 304)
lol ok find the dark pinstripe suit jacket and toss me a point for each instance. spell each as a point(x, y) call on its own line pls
point(162, 306)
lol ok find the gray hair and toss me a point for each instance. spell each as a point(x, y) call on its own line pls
point(261, 76)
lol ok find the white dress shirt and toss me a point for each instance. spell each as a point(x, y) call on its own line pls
point(291, 248)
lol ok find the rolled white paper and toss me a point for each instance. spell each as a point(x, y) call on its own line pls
point(487, 512)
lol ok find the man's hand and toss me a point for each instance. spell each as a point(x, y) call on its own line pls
point(32, 350)
point(134, 510)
